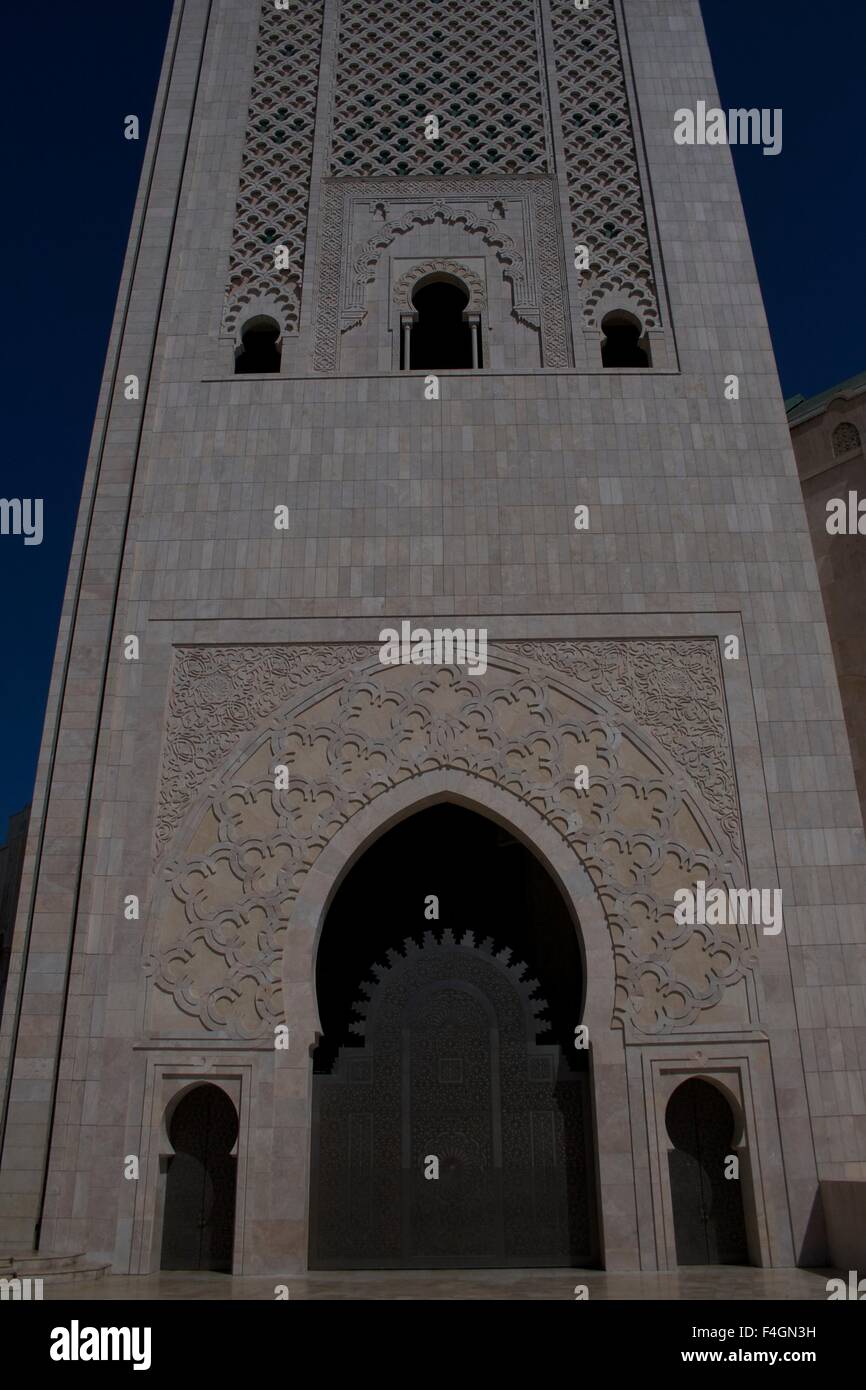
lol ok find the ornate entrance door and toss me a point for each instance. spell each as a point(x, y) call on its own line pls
point(452, 1120)
point(451, 1138)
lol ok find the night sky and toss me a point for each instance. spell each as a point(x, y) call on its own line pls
point(70, 183)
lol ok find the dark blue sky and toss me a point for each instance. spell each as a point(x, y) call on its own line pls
point(72, 71)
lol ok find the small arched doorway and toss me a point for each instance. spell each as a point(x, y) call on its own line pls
point(260, 350)
point(709, 1222)
point(450, 1037)
point(440, 338)
point(199, 1213)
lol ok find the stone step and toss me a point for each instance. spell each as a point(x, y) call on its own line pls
point(36, 1264)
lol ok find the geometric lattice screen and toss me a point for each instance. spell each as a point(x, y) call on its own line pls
point(477, 65)
point(601, 166)
point(474, 66)
point(274, 194)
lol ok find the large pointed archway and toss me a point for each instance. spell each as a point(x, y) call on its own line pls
point(451, 1109)
point(255, 869)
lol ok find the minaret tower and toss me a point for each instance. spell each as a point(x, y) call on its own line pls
point(445, 848)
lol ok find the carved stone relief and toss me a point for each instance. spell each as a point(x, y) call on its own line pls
point(217, 695)
point(484, 80)
point(673, 689)
point(655, 818)
point(405, 286)
point(362, 218)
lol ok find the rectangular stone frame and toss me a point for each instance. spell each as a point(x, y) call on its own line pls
point(743, 1065)
point(540, 287)
point(161, 1076)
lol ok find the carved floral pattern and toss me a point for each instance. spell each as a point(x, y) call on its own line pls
point(641, 831)
point(534, 270)
point(405, 286)
point(671, 688)
point(217, 695)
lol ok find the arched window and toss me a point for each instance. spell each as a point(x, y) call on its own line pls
point(846, 438)
point(260, 351)
point(622, 345)
point(441, 338)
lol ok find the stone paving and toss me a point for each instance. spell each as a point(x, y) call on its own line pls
point(718, 1284)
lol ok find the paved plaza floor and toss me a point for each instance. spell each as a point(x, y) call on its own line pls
point(731, 1283)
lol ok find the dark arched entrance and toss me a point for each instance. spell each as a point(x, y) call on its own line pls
point(622, 342)
point(709, 1224)
point(451, 1114)
point(440, 339)
point(259, 350)
point(199, 1216)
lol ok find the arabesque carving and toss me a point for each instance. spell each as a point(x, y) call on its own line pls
point(533, 265)
point(644, 829)
point(405, 286)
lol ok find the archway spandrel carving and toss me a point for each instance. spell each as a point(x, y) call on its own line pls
point(673, 689)
point(531, 261)
point(216, 696)
point(362, 730)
